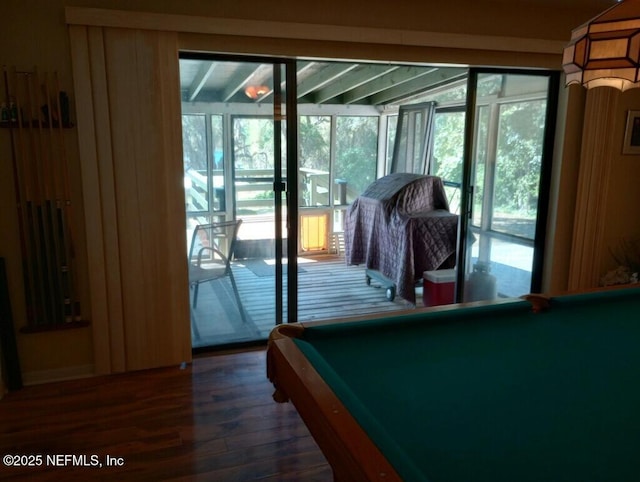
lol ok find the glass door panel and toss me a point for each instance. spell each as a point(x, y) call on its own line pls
point(314, 160)
point(356, 156)
point(235, 169)
point(196, 162)
point(446, 163)
point(412, 138)
point(510, 152)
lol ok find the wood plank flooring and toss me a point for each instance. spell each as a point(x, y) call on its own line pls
point(214, 420)
point(327, 288)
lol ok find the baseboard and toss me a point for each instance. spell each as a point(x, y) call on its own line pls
point(58, 374)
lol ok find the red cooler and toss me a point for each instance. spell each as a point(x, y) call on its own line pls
point(439, 287)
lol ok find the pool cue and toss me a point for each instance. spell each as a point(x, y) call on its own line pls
point(60, 170)
point(65, 211)
point(34, 251)
point(52, 200)
point(44, 159)
point(42, 225)
point(19, 188)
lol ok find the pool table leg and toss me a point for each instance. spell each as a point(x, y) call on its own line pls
point(280, 396)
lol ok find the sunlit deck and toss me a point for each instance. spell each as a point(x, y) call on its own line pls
point(327, 289)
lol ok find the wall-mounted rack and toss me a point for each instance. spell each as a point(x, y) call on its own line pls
point(35, 110)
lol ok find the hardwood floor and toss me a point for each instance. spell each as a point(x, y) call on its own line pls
point(214, 420)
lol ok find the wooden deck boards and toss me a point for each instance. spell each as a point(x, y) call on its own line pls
point(327, 288)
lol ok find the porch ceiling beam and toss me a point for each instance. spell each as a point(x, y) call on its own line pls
point(245, 74)
point(323, 77)
point(201, 78)
point(301, 67)
point(361, 76)
point(419, 85)
point(393, 79)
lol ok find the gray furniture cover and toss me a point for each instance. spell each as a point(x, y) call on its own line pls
point(401, 226)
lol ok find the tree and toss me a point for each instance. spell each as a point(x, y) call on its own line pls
point(194, 144)
point(314, 144)
point(356, 150)
point(519, 156)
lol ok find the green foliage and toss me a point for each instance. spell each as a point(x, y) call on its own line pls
point(356, 151)
point(253, 143)
point(265, 195)
point(448, 146)
point(314, 143)
point(518, 152)
point(194, 144)
point(356, 147)
point(519, 156)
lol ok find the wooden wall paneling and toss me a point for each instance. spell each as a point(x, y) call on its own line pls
point(593, 188)
point(134, 185)
point(125, 107)
point(88, 149)
point(179, 330)
point(154, 277)
point(108, 208)
point(154, 169)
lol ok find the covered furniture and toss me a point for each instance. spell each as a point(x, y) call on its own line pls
point(400, 227)
point(210, 254)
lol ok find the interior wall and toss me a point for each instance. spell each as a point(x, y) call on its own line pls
point(516, 18)
point(562, 202)
point(623, 199)
point(35, 34)
point(606, 200)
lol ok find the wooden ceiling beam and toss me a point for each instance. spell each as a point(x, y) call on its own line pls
point(395, 78)
point(360, 76)
point(323, 77)
point(200, 80)
point(417, 85)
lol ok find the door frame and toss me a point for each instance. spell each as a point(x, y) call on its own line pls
point(284, 110)
point(544, 189)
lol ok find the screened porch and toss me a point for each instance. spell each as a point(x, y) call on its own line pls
point(352, 118)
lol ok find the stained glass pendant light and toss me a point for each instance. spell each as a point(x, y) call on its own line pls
point(605, 51)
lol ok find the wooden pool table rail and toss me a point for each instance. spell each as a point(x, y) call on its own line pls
point(346, 446)
point(350, 452)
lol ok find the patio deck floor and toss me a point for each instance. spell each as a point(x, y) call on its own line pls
point(327, 288)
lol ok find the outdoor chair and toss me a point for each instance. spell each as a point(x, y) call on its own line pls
point(210, 254)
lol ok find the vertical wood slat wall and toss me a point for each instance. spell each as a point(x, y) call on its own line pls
point(593, 189)
point(128, 113)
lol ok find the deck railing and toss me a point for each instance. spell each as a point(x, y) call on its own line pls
point(320, 225)
point(254, 190)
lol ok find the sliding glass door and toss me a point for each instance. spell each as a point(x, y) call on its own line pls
point(244, 161)
point(510, 123)
point(235, 126)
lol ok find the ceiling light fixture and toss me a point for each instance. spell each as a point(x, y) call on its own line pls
point(605, 51)
point(255, 91)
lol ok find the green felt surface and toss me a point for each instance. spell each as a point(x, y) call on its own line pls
point(496, 393)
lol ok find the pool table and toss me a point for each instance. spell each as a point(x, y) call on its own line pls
point(536, 389)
